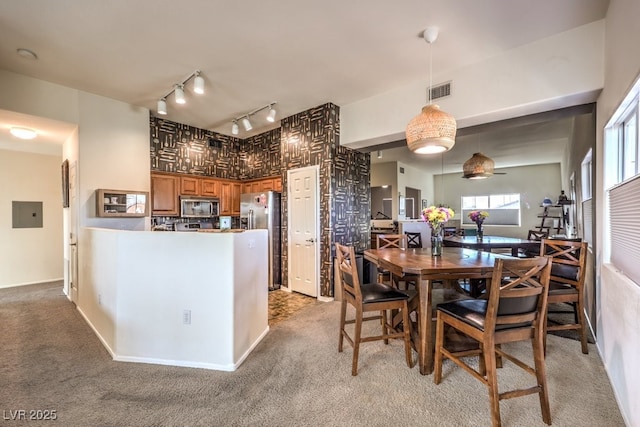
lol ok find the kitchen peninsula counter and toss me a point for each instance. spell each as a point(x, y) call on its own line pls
point(183, 299)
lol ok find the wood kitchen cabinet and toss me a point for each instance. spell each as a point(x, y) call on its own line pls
point(235, 198)
point(210, 187)
point(277, 184)
point(266, 184)
point(190, 186)
point(225, 198)
point(164, 195)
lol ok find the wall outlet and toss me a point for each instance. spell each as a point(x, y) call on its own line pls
point(186, 317)
point(252, 243)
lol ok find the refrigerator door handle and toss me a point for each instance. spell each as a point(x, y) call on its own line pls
point(250, 219)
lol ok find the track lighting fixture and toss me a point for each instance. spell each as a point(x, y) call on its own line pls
point(198, 83)
point(246, 124)
point(271, 117)
point(379, 154)
point(178, 91)
point(162, 106)
point(244, 119)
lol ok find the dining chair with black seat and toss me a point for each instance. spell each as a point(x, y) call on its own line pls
point(537, 235)
point(393, 241)
point(569, 259)
point(513, 310)
point(371, 297)
point(414, 239)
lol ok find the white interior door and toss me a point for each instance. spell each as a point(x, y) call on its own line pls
point(304, 219)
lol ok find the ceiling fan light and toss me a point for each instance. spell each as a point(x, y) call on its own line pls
point(432, 131)
point(478, 166)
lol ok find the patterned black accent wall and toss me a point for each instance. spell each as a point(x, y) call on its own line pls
point(261, 155)
point(180, 148)
point(312, 138)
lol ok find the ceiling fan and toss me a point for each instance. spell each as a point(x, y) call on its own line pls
point(479, 166)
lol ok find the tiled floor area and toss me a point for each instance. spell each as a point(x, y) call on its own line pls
point(283, 304)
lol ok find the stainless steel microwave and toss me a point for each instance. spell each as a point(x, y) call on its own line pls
point(198, 207)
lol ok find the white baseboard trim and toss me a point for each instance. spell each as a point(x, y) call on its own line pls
point(38, 282)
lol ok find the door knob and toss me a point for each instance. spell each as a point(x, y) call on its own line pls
point(311, 240)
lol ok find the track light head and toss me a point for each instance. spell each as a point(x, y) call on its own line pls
point(162, 106)
point(179, 93)
point(271, 117)
point(234, 128)
point(246, 124)
point(198, 83)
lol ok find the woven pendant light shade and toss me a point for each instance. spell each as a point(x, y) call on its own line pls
point(478, 166)
point(431, 131)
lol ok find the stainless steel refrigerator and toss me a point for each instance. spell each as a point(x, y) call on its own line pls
point(262, 211)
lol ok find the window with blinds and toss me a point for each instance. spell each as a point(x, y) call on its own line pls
point(587, 221)
point(624, 227)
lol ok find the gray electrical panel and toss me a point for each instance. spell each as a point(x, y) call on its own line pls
point(27, 214)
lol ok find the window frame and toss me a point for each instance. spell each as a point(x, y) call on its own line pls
point(490, 221)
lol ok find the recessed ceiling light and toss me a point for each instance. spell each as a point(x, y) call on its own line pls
point(26, 53)
point(23, 133)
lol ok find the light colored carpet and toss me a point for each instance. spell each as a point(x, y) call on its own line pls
point(50, 359)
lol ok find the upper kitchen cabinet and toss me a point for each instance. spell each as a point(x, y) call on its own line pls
point(235, 198)
point(266, 184)
point(225, 198)
point(190, 186)
point(164, 194)
point(277, 184)
point(209, 187)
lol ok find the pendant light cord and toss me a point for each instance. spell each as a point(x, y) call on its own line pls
point(430, 69)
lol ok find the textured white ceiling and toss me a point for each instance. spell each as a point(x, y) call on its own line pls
point(252, 52)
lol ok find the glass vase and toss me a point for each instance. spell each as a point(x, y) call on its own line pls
point(436, 242)
point(480, 233)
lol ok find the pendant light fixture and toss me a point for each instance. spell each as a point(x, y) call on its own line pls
point(478, 166)
point(433, 130)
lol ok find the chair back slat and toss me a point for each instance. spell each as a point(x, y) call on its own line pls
point(348, 270)
point(569, 260)
point(518, 292)
point(414, 239)
point(391, 241)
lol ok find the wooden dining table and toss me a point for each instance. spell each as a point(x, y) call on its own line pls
point(453, 264)
point(491, 243)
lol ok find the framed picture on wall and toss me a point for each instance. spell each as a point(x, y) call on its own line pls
point(65, 184)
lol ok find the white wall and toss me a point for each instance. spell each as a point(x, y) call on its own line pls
point(618, 299)
point(532, 182)
point(30, 255)
point(111, 146)
point(138, 295)
point(529, 79)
